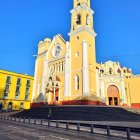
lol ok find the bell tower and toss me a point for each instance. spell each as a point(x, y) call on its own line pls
point(78, 2)
point(83, 56)
point(81, 15)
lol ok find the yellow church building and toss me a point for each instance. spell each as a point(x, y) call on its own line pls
point(66, 72)
point(15, 91)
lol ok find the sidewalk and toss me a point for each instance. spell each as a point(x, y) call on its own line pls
point(110, 123)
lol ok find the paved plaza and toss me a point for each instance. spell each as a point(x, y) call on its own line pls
point(11, 130)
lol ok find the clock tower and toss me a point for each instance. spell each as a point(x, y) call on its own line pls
point(82, 44)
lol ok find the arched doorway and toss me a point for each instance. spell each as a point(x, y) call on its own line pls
point(113, 95)
point(52, 88)
point(55, 96)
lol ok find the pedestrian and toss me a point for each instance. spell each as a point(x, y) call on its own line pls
point(0, 107)
point(49, 113)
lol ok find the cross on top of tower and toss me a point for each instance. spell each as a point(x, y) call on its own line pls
point(79, 2)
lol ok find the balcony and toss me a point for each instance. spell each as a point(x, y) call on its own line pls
point(17, 97)
point(26, 97)
point(27, 93)
point(6, 91)
point(5, 97)
point(8, 82)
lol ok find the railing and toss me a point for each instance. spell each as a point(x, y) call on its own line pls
point(16, 97)
point(78, 126)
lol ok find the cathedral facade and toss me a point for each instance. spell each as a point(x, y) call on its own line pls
point(66, 72)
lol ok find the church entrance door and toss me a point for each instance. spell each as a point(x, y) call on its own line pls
point(113, 95)
point(55, 96)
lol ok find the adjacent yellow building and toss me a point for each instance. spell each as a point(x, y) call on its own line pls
point(15, 90)
point(66, 72)
point(133, 85)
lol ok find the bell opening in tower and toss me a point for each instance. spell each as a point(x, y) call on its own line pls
point(78, 22)
point(78, 4)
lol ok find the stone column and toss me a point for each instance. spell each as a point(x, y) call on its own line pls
point(67, 91)
point(97, 83)
point(85, 68)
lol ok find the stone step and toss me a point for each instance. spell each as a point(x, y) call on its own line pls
point(92, 113)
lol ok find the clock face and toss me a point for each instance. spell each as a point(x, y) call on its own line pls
point(56, 51)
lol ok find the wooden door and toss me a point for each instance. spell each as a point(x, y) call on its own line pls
point(113, 95)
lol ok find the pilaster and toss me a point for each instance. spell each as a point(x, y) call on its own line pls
point(103, 91)
point(44, 76)
point(67, 91)
point(85, 68)
point(97, 83)
point(123, 91)
point(35, 81)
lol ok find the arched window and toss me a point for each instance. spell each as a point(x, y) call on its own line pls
point(101, 71)
point(87, 19)
point(77, 79)
point(57, 51)
point(78, 21)
point(78, 4)
point(110, 70)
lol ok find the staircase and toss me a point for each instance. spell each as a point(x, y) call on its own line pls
point(83, 113)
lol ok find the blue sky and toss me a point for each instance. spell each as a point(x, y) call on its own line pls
point(24, 23)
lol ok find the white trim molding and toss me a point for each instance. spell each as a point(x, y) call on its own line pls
point(114, 85)
point(91, 31)
point(45, 71)
point(97, 83)
point(103, 99)
point(67, 91)
point(35, 82)
point(85, 68)
point(124, 100)
point(81, 7)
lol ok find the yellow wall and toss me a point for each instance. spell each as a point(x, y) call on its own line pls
point(11, 94)
point(77, 36)
point(76, 2)
point(76, 62)
point(54, 63)
point(42, 50)
point(72, 52)
point(134, 88)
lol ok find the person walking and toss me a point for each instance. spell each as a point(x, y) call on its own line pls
point(49, 113)
point(0, 107)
